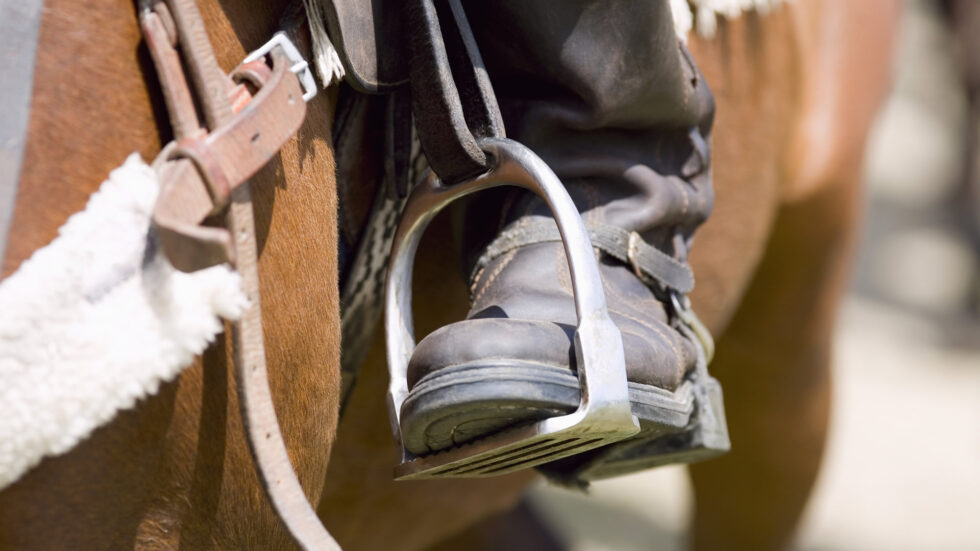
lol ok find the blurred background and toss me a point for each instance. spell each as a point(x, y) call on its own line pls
point(902, 466)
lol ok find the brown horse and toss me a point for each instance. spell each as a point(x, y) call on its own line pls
point(796, 92)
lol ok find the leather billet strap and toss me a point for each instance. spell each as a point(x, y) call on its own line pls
point(452, 100)
point(223, 160)
point(205, 173)
point(434, 77)
point(214, 163)
point(427, 47)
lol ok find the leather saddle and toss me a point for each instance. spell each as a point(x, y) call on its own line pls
point(426, 50)
point(371, 40)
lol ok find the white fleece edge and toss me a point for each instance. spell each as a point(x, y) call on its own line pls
point(96, 320)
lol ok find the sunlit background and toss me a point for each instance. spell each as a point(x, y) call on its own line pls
point(902, 467)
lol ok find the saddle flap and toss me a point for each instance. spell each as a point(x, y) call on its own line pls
point(371, 42)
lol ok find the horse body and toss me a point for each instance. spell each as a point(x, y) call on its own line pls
point(176, 470)
point(796, 91)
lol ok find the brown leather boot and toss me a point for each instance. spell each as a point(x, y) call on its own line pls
point(607, 96)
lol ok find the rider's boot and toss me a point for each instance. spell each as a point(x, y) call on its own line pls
point(609, 98)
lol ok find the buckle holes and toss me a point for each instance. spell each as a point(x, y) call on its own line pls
point(255, 137)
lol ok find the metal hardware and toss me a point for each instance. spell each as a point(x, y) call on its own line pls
point(298, 64)
point(603, 415)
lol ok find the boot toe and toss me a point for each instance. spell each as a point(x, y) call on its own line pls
point(478, 376)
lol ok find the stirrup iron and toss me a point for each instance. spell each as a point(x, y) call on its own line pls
point(603, 415)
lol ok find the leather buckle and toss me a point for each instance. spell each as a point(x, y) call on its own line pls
point(232, 153)
point(224, 159)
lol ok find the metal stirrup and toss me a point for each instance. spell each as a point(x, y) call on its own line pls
point(603, 415)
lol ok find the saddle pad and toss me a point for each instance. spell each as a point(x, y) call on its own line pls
point(97, 320)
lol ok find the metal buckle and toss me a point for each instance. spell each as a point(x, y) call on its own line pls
point(298, 65)
point(603, 415)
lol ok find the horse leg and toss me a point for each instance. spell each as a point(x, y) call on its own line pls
point(773, 363)
point(964, 21)
point(774, 358)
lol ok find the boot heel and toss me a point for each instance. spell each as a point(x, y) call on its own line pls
point(705, 437)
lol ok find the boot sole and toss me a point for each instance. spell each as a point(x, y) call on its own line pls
point(459, 404)
point(705, 437)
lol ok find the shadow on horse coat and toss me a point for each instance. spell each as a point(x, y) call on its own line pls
point(796, 92)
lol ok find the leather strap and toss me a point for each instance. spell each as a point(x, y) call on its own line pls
point(650, 264)
point(199, 175)
point(217, 162)
point(452, 100)
point(427, 46)
point(20, 22)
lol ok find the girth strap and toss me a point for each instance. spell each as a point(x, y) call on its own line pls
point(650, 264)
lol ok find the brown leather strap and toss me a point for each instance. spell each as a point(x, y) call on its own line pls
point(160, 33)
point(235, 151)
point(255, 399)
point(199, 174)
point(241, 144)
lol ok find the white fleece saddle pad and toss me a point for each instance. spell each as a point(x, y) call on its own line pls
point(96, 320)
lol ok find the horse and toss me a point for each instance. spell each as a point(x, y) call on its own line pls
point(796, 92)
